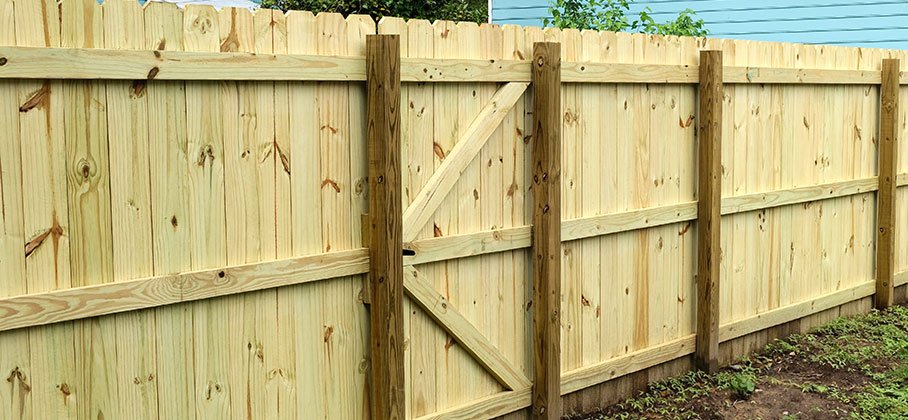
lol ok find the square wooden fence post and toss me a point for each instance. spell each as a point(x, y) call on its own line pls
point(386, 274)
point(709, 206)
point(886, 196)
point(547, 230)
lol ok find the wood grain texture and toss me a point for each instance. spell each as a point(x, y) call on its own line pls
point(502, 240)
point(788, 313)
point(709, 209)
point(786, 197)
point(386, 248)
point(456, 161)
point(207, 116)
point(14, 345)
point(587, 376)
point(260, 165)
point(623, 365)
point(88, 301)
point(130, 193)
point(97, 64)
point(473, 341)
point(92, 254)
point(54, 368)
point(168, 165)
point(807, 76)
point(886, 196)
point(486, 407)
point(546, 398)
point(901, 279)
point(301, 163)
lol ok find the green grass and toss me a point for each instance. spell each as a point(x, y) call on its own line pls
point(873, 347)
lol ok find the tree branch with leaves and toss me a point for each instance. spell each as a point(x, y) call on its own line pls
point(613, 15)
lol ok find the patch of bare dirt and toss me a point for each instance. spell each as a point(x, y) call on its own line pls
point(771, 401)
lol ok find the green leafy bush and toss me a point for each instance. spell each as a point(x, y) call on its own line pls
point(459, 10)
point(612, 15)
point(742, 385)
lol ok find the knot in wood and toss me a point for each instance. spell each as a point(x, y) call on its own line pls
point(85, 169)
point(204, 25)
point(363, 365)
point(3, 61)
point(540, 61)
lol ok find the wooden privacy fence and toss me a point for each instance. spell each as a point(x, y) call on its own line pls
point(199, 206)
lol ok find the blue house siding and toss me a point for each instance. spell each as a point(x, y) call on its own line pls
point(879, 24)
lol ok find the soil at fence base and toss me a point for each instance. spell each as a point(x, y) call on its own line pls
point(773, 400)
point(795, 382)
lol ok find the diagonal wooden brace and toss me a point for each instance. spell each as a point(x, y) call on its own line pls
point(468, 146)
point(476, 344)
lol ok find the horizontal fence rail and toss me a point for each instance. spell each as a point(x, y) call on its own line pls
point(90, 301)
point(105, 64)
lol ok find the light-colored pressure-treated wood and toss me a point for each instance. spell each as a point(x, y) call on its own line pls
point(709, 211)
point(886, 196)
point(456, 161)
point(14, 345)
point(247, 153)
point(88, 301)
point(127, 102)
point(168, 165)
point(546, 230)
point(45, 220)
point(443, 312)
point(77, 62)
point(474, 244)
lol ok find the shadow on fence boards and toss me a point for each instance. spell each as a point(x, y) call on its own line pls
point(223, 214)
